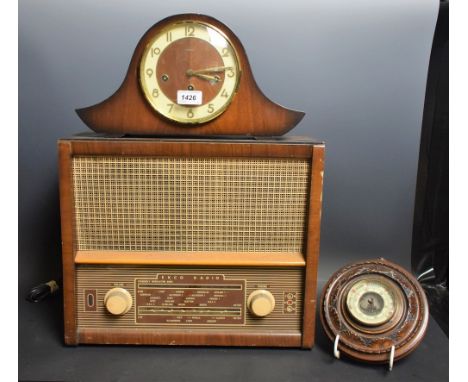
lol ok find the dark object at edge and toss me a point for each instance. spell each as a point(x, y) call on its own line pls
point(430, 247)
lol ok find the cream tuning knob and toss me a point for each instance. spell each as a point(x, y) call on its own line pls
point(261, 303)
point(118, 301)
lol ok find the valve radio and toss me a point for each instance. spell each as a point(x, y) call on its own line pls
point(190, 241)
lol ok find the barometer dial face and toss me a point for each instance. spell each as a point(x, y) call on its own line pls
point(371, 302)
point(189, 72)
point(374, 306)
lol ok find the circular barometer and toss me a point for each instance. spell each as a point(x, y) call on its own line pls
point(374, 311)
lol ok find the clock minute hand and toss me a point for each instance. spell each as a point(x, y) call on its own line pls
point(216, 69)
point(191, 73)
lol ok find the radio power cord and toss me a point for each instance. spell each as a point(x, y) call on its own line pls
point(42, 291)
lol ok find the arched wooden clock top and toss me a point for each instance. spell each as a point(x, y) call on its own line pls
point(194, 53)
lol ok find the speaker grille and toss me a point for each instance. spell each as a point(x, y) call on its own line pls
point(190, 204)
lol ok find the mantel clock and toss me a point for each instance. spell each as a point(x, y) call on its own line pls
point(189, 75)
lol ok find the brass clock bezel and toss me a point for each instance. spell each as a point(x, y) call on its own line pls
point(147, 93)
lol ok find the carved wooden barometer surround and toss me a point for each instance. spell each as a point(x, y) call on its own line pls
point(372, 306)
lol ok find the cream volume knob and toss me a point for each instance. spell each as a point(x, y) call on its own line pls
point(118, 301)
point(261, 303)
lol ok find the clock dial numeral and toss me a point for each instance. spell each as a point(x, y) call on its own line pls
point(155, 51)
point(190, 113)
point(155, 93)
point(171, 106)
point(230, 73)
point(210, 108)
point(169, 36)
point(224, 93)
point(190, 31)
point(225, 52)
point(149, 72)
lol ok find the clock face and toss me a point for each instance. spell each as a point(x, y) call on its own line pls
point(189, 72)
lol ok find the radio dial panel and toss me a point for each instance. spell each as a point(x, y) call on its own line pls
point(190, 298)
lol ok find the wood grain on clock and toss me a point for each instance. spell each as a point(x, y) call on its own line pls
point(249, 113)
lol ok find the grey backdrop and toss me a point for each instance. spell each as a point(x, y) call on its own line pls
point(357, 68)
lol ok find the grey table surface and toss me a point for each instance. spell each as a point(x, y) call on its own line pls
point(44, 357)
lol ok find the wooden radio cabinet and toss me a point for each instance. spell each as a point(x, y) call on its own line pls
point(190, 241)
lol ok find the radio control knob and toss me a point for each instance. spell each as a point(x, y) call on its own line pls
point(261, 303)
point(118, 301)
